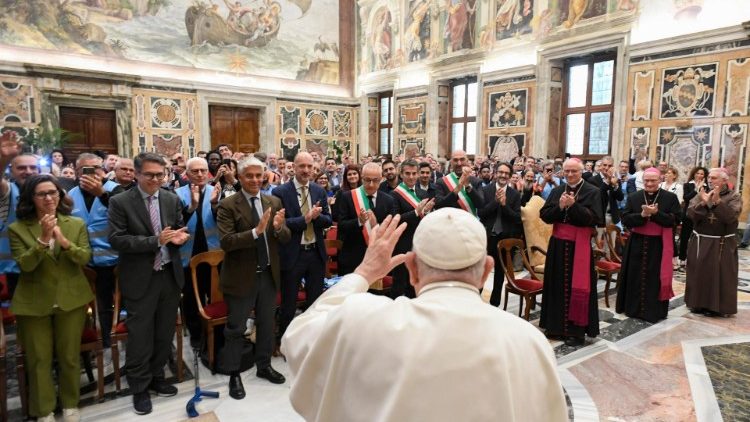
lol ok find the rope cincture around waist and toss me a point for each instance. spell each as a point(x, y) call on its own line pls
point(721, 244)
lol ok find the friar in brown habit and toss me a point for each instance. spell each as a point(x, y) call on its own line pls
point(712, 251)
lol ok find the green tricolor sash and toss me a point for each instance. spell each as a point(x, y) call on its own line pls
point(359, 197)
point(409, 195)
point(451, 180)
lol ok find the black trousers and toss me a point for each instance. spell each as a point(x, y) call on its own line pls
point(263, 299)
point(190, 316)
point(499, 275)
point(151, 323)
point(310, 267)
point(12, 279)
point(685, 232)
point(105, 295)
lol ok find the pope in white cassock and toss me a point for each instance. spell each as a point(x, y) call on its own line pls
point(444, 356)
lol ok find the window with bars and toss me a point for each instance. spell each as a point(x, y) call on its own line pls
point(385, 123)
point(463, 115)
point(588, 105)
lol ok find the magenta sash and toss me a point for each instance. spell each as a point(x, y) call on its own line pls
point(665, 274)
point(578, 311)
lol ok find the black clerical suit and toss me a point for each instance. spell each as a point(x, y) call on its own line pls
point(350, 231)
point(501, 222)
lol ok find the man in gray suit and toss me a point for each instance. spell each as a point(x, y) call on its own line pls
point(146, 228)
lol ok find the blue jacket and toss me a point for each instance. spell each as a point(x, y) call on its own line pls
point(296, 221)
point(7, 263)
point(97, 225)
point(209, 223)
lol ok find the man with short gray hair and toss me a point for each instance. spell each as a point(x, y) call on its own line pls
point(443, 356)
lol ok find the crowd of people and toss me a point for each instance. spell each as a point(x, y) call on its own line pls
point(433, 225)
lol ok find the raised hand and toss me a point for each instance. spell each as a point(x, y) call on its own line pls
point(216, 193)
point(195, 196)
point(92, 184)
point(566, 200)
point(362, 217)
point(314, 212)
point(703, 195)
point(60, 238)
point(10, 145)
point(382, 242)
point(180, 236)
point(278, 219)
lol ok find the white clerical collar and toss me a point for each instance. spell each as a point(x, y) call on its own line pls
point(448, 284)
point(576, 185)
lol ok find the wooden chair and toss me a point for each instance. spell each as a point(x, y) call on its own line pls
point(333, 247)
point(3, 379)
point(525, 288)
point(91, 341)
point(120, 334)
point(214, 313)
point(382, 286)
point(607, 264)
point(537, 234)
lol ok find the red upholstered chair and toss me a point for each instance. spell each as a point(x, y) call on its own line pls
point(333, 247)
point(91, 341)
point(215, 312)
point(609, 263)
point(526, 288)
point(120, 334)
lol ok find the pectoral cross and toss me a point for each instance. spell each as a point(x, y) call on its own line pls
point(712, 218)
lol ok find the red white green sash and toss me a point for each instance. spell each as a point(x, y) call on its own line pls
point(359, 197)
point(451, 180)
point(409, 195)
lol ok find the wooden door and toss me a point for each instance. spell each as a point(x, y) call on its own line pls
point(92, 130)
point(234, 126)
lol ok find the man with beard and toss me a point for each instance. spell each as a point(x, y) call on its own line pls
point(569, 308)
point(485, 176)
point(645, 281)
point(711, 286)
point(501, 216)
point(412, 205)
point(425, 185)
point(391, 177)
point(459, 189)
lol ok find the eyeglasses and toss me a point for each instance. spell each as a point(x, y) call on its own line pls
point(152, 176)
point(370, 180)
point(198, 171)
point(51, 193)
point(506, 173)
point(24, 168)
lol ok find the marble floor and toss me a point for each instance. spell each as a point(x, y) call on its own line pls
point(688, 367)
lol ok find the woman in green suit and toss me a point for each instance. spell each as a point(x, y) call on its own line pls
point(51, 248)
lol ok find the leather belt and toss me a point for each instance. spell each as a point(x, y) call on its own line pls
point(308, 247)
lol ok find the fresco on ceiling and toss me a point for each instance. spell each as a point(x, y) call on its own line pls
point(291, 39)
point(396, 33)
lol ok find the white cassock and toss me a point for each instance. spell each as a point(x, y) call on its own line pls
point(444, 356)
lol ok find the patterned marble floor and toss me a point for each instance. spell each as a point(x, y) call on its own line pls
point(686, 368)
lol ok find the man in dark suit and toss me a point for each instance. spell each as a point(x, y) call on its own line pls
point(412, 205)
point(359, 210)
point(307, 215)
point(610, 190)
point(146, 228)
point(250, 274)
point(390, 177)
point(425, 184)
point(459, 189)
point(501, 216)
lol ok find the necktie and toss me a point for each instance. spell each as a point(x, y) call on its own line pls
point(372, 203)
point(260, 243)
point(156, 226)
point(309, 233)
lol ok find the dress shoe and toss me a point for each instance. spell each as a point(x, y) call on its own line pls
point(270, 374)
point(71, 415)
point(574, 341)
point(743, 245)
point(162, 389)
point(142, 403)
point(236, 389)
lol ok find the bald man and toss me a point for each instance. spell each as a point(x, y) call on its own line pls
point(360, 210)
point(304, 256)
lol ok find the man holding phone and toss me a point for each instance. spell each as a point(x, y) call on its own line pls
point(91, 203)
point(547, 180)
point(304, 256)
